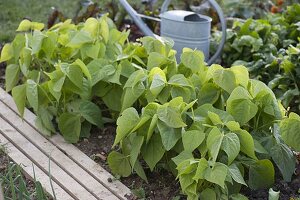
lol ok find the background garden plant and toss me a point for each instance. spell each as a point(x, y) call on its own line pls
point(268, 48)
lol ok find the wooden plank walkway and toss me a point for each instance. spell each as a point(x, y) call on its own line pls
point(73, 174)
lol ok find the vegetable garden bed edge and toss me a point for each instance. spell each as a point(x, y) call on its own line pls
point(72, 158)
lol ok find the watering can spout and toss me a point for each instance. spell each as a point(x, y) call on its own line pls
point(198, 37)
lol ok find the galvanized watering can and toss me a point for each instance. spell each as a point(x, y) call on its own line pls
point(187, 29)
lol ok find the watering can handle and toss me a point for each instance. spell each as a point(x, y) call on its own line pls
point(147, 31)
point(216, 6)
point(137, 19)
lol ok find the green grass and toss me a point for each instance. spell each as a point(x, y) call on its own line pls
point(13, 185)
point(13, 11)
point(16, 187)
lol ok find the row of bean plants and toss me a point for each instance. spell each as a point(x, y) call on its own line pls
point(216, 129)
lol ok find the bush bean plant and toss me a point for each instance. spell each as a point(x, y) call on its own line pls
point(214, 128)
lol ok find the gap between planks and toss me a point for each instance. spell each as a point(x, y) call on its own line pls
point(60, 175)
point(92, 168)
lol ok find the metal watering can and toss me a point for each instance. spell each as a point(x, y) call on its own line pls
point(187, 29)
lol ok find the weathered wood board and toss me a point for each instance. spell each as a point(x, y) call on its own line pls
point(73, 174)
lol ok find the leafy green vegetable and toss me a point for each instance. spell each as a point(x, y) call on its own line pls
point(261, 174)
point(27, 25)
point(69, 125)
point(153, 151)
point(115, 160)
point(65, 65)
point(231, 145)
point(213, 141)
point(126, 122)
point(273, 195)
point(192, 139)
point(289, 129)
point(19, 96)
point(12, 75)
point(91, 113)
point(284, 159)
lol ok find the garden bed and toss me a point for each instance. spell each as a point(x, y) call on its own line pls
point(161, 182)
point(73, 174)
point(214, 128)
